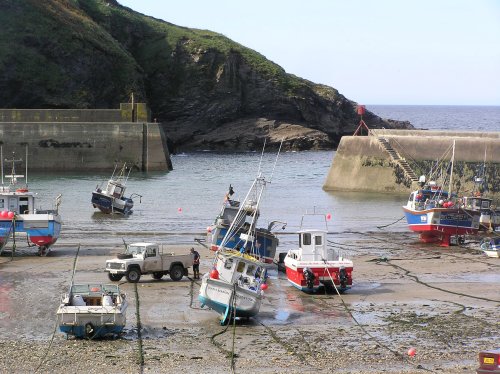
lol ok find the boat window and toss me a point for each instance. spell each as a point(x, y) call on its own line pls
point(250, 269)
point(317, 240)
point(241, 267)
point(485, 204)
point(228, 264)
point(306, 239)
point(2, 203)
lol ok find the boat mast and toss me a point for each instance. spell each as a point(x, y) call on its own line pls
point(26, 177)
point(1, 158)
point(451, 173)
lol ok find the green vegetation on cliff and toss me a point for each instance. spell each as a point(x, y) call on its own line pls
point(95, 53)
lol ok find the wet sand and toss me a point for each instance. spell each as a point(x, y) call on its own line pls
point(443, 302)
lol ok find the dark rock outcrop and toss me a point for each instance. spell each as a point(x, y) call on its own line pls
point(208, 91)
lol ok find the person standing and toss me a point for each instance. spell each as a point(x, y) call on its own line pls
point(196, 263)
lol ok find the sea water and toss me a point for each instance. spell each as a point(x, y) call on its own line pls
point(178, 206)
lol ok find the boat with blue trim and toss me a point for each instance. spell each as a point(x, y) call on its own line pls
point(112, 199)
point(235, 286)
point(264, 243)
point(92, 311)
point(19, 213)
point(314, 266)
point(438, 215)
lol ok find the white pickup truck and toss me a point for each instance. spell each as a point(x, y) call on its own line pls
point(148, 258)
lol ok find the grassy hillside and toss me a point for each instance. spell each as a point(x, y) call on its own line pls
point(95, 53)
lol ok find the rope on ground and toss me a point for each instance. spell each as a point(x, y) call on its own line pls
point(380, 227)
point(407, 273)
point(397, 354)
point(191, 294)
point(139, 328)
point(55, 324)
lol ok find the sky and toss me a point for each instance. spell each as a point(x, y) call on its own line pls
point(383, 52)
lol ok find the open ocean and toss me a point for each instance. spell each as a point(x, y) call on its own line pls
point(177, 206)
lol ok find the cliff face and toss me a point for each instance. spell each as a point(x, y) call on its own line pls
point(208, 91)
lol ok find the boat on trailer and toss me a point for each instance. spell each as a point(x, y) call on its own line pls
point(92, 311)
point(314, 266)
point(19, 212)
point(112, 199)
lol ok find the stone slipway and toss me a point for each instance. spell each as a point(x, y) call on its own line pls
point(362, 163)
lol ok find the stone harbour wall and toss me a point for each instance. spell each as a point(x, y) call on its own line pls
point(76, 139)
point(362, 164)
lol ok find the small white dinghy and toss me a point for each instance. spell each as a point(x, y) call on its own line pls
point(491, 247)
point(92, 311)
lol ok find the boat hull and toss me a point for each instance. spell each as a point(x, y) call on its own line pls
point(326, 274)
point(110, 204)
point(42, 230)
point(91, 322)
point(263, 247)
point(218, 295)
point(437, 225)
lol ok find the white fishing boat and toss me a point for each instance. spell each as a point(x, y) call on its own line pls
point(112, 199)
point(437, 215)
point(314, 266)
point(92, 311)
point(234, 288)
point(491, 247)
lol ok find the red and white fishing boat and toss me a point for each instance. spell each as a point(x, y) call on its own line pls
point(314, 265)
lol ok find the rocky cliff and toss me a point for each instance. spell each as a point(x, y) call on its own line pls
point(208, 91)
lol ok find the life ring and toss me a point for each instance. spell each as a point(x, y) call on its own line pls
point(22, 190)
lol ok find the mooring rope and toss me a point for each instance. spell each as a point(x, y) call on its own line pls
point(396, 353)
point(55, 324)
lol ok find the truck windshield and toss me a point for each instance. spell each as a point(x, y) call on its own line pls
point(134, 250)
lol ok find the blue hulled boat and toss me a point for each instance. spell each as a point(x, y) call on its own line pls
point(112, 199)
point(19, 214)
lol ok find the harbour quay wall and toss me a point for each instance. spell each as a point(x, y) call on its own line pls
point(362, 163)
point(85, 139)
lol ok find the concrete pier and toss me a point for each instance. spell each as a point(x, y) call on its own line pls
point(362, 163)
point(85, 139)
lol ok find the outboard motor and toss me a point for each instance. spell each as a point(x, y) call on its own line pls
point(309, 277)
point(343, 277)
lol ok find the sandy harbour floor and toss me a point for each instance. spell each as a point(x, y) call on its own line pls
point(444, 302)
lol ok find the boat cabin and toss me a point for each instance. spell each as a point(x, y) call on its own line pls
point(312, 246)
point(230, 210)
point(238, 268)
point(115, 189)
point(20, 201)
point(477, 203)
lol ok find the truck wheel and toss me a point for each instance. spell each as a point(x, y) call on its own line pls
point(115, 277)
point(133, 275)
point(157, 275)
point(176, 273)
